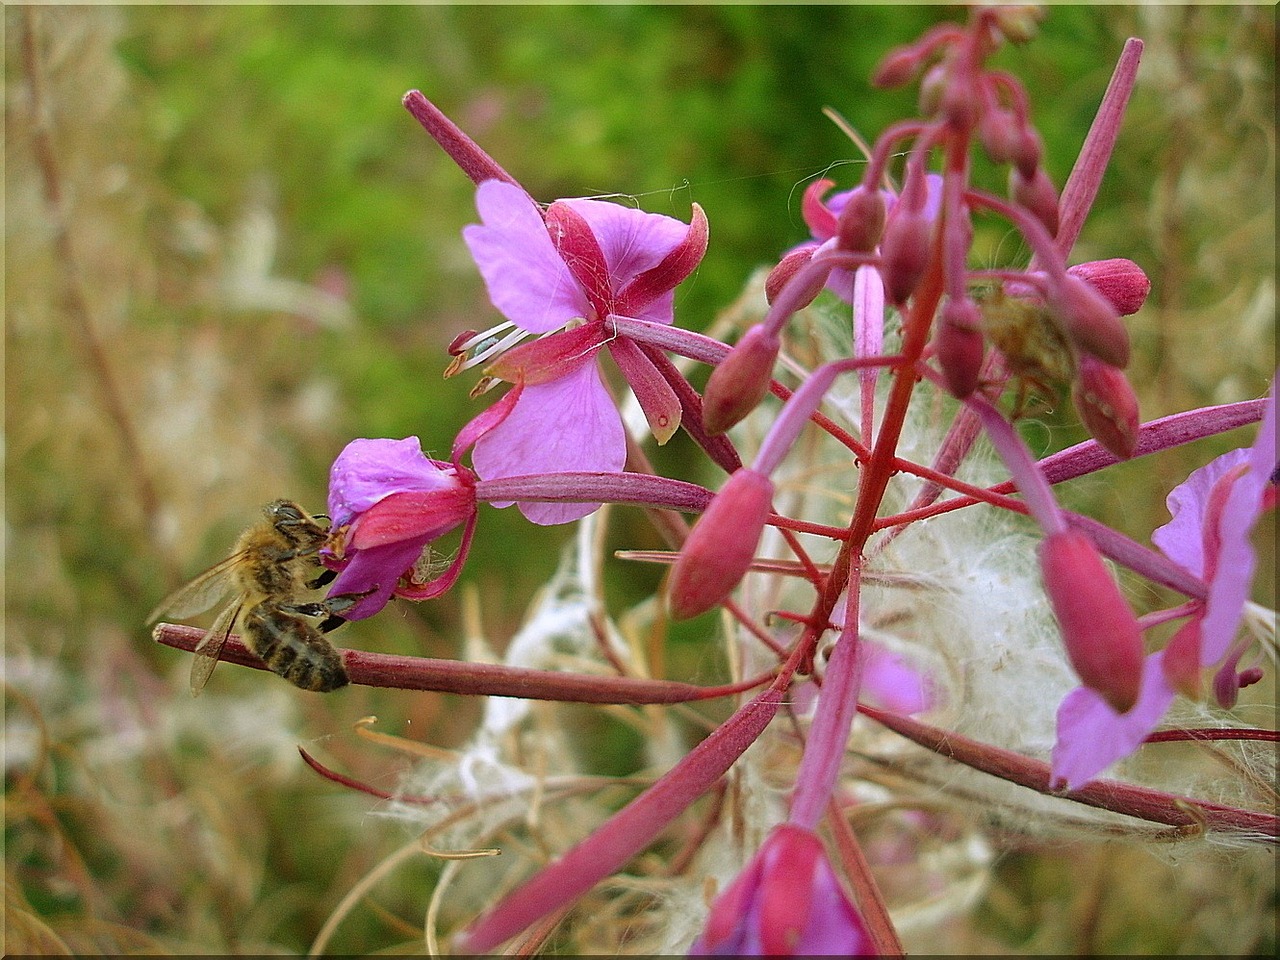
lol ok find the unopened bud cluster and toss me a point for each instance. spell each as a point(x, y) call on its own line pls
point(964, 103)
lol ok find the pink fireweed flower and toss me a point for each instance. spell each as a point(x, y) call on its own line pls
point(1214, 511)
point(570, 270)
point(388, 501)
point(786, 903)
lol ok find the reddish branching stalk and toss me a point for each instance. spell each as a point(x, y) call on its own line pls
point(476, 679)
point(584, 279)
point(1143, 803)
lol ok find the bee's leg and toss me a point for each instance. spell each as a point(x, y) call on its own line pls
point(330, 608)
point(324, 578)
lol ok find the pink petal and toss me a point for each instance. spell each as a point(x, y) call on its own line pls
point(1182, 538)
point(526, 278)
point(1233, 572)
point(412, 515)
point(820, 217)
point(681, 261)
point(661, 309)
point(567, 424)
point(1092, 736)
point(377, 569)
point(632, 241)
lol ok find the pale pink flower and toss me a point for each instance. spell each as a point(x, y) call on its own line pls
point(570, 270)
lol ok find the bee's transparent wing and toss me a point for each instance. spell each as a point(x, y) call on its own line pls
point(198, 595)
point(205, 655)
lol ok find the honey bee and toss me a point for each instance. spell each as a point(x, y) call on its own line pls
point(267, 572)
point(1034, 347)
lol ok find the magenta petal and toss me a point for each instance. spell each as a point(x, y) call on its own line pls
point(889, 681)
point(368, 470)
point(632, 241)
point(527, 279)
point(1092, 736)
point(377, 569)
point(567, 424)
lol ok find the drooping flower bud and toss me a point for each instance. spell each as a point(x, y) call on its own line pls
point(739, 382)
point(861, 222)
point(1037, 194)
point(897, 67)
point(1029, 151)
point(961, 102)
point(786, 903)
point(999, 134)
point(905, 251)
point(787, 268)
point(959, 346)
point(721, 545)
point(932, 87)
point(1101, 634)
point(1108, 406)
point(1090, 321)
point(1121, 281)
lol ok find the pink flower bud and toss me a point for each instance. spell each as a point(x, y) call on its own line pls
point(959, 347)
point(1107, 405)
point(787, 268)
point(1226, 686)
point(998, 132)
point(932, 87)
point(961, 104)
point(861, 222)
point(897, 67)
point(1090, 321)
point(721, 545)
point(1030, 151)
point(1101, 634)
point(1037, 195)
point(1121, 281)
point(904, 252)
point(740, 381)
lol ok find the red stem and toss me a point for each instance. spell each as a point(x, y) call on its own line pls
point(1144, 803)
point(478, 679)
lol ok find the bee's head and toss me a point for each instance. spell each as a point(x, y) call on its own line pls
point(284, 513)
point(294, 524)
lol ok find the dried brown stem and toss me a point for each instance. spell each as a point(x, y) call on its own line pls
point(76, 301)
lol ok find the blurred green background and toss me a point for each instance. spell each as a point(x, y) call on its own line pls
point(268, 249)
